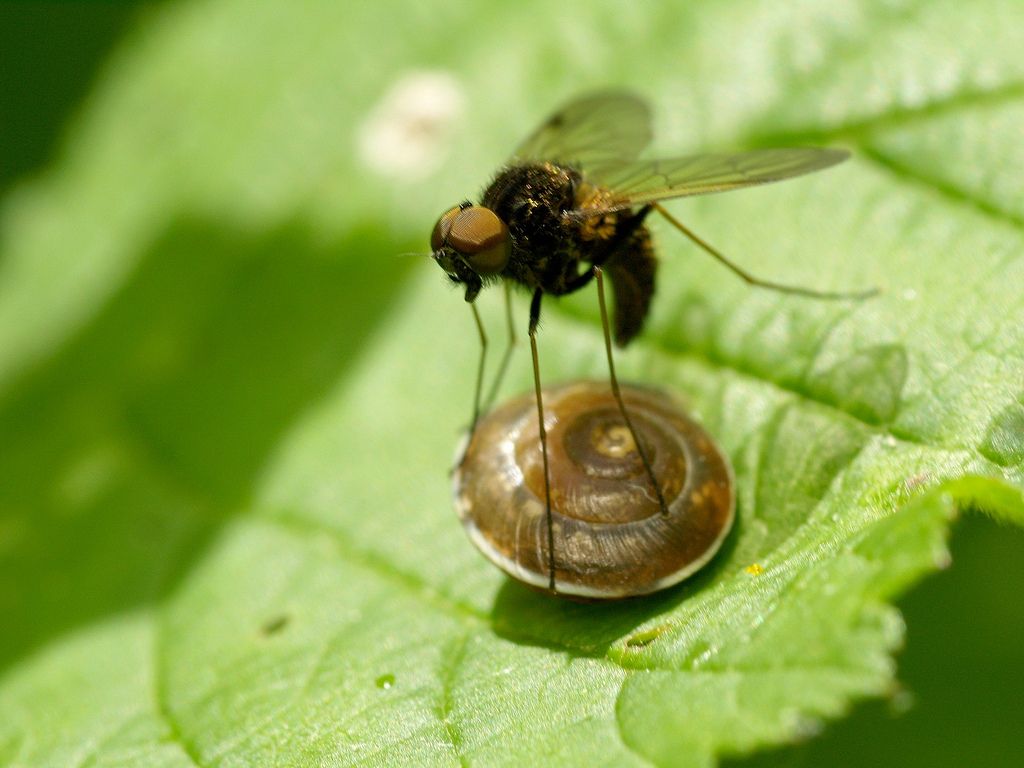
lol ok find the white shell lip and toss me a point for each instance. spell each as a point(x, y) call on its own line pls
point(456, 473)
point(542, 581)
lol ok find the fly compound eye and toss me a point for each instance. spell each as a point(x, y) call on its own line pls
point(481, 238)
point(442, 228)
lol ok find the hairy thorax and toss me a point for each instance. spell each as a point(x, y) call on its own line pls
point(547, 246)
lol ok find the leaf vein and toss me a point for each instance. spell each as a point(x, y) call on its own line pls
point(899, 116)
point(412, 583)
point(951, 192)
point(451, 662)
point(161, 701)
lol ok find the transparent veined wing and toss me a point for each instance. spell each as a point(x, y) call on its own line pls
point(597, 129)
point(628, 184)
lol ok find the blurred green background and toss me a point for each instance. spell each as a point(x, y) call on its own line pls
point(49, 52)
point(962, 671)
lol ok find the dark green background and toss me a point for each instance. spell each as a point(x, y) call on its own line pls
point(49, 55)
point(962, 671)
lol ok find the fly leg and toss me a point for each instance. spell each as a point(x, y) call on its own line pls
point(503, 365)
point(549, 518)
point(479, 386)
point(478, 390)
point(750, 279)
point(621, 239)
point(599, 274)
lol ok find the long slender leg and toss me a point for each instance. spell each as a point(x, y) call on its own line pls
point(598, 273)
point(503, 366)
point(479, 369)
point(479, 384)
point(749, 278)
point(534, 319)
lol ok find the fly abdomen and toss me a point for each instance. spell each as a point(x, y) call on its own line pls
point(632, 271)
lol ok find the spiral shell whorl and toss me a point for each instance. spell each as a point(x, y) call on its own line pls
point(611, 538)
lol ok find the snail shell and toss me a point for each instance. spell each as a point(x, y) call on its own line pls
point(611, 538)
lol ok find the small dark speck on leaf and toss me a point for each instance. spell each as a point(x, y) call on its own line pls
point(275, 625)
point(384, 682)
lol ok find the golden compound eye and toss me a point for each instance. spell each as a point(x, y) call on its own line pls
point(481, 238)
point(443, 227)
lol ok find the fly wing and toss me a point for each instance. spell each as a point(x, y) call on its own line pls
point(628, 184)
point(594, 130)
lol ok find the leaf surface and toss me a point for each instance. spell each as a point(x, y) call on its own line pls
point(227, 409)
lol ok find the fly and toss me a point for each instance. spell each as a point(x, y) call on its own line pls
point(571, 205)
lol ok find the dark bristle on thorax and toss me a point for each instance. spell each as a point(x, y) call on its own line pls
point(530, 199)
point(551, 251)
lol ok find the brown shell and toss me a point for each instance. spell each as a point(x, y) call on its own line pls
point(611, 538)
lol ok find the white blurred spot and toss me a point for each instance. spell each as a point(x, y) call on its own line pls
point(909, 294)
point(408, 132)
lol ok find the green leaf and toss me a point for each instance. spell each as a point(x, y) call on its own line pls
point(227, 410)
